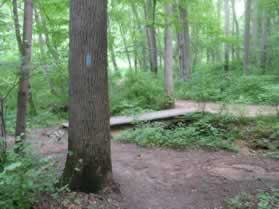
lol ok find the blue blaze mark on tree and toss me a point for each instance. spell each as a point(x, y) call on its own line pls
point(88, 60)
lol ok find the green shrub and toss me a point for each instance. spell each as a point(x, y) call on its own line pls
point(23, 177)
point(213, 84)
point(137, 92)
point(193, 131)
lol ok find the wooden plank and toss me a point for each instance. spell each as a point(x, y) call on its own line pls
point(150, 116)
point(186, 107)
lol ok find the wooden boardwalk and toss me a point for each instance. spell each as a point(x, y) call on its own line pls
point(186, 107)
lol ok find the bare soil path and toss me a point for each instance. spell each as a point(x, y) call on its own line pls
point(234, 109)
point(167, 179)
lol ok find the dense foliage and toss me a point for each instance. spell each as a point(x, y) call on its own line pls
point(24, 177)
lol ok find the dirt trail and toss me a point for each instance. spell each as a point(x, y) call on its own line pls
point(167, 179)
point(235, 109)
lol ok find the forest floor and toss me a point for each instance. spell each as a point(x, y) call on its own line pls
point(168, 179)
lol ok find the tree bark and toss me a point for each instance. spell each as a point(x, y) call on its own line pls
point(88, 166)
point(183, 40)
point(149, 10)
point(23, 89)
point(227, 33)
point(246, 54)
point(168, 53)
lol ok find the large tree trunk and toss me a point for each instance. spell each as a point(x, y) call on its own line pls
point(149, 10)
point(183, 40)
point(246, 54)
point(227, 33)
point(263, 51)
point(88, 166)
point(23, 89)
point(168, 53)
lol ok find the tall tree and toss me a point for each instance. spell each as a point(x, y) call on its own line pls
point(247, 37)
point(149, 10)
point(237, 30)
point(42, 52)
point(255, 30)
point(227, 33)
point(168, 52)
point(88, 166)
point(183, 42)
point(141, 43)
point(25, 47)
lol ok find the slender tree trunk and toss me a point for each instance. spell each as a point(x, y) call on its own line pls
point(126, 47)
point(219, 49)
point(113, 58)
point(2, 124)
point(3, 142)
point(142, 42)
point(246, 55)
point(17, 27)
point(255, 32)
point(237, 31)
point(23, 89)
point(183, 39)
point(149, 8)
point(263, 51)
point(53, 52)
point(227, 33)
point(43, 53)
point(88, 166)
point(168, 53)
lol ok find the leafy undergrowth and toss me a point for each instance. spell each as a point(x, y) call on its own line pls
point(259, 200)
point(209, 131)
point(213, 84)
point(23, 178)
point(191, 131)
point(137, 92)
point(29, 181)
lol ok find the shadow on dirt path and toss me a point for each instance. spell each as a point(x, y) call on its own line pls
point(167, 179)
